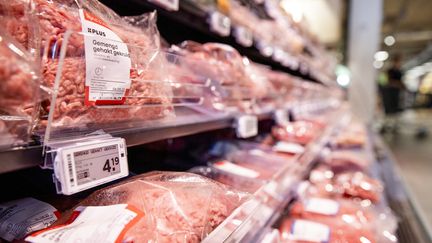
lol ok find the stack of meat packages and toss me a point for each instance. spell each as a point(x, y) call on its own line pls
point(51, 32)
point(340, 202)
point(245, 166)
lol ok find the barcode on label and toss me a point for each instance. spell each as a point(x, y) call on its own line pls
point(69, 163)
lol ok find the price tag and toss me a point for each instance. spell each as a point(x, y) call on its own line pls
point(281, 117)
point(243, 36)
point(278, 54)
point(171, 5)
point(287, 147)
point(247, 126)
point(82, 166)
point(265, 49)
point(220, 24)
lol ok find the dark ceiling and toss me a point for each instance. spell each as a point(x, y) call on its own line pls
point(410, 22)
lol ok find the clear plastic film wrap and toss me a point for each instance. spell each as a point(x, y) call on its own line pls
point(223, 65)
point(177, 206)
point(346, 220)
point(19, 92)
point(301, 132)
point(60, 39)
point(351, 184)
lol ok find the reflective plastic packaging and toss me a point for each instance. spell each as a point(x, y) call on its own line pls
point(19, 83)
point(177, 206)
point(299, 132)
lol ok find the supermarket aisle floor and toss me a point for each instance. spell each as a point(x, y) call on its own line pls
point(414, 156)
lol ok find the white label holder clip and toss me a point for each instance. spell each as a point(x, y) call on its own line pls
point(246, 126)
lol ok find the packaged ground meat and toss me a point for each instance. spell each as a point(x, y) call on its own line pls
point(19, 82)
point(301, 132)
point(224, 65)
point(97, 67)
point(297, 230)
point(174, 206)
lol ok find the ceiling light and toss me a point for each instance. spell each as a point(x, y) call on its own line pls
point(381, 56)
point(378, 64)
point(343, 80)
point(389, 40)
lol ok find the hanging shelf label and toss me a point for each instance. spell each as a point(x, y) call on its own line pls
point(246, 126)
point(220, 24)
point(170, 5)
point(85, 165)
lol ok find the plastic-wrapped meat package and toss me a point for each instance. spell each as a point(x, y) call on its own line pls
point(347, 184)
point(297, 230)
point(300, 132)
point(345, 160)
point(224, 65)
point(177, 206)
point(325, 210)
point(354, 136)
point(358, 184)
point(19, 92)
point(148, 95)
point(239, 182)
point(263, 90)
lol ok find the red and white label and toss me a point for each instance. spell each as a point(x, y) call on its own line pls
point(304, 230)
point(235, 169)
point(108, 63)
point(322, 206)
point(21, 217)
point(92, 224)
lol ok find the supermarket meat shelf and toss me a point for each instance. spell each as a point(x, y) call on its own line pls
point(260, 212)
point(31, 156)
point(191, 23)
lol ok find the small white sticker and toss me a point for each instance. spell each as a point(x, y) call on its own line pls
point(108, 64)
point(247, 126)
point(287, 147)
point(304, 230)
point(322, 206)
point(21, 217)
point(243, 36)
point(220, 24)
point(171, 5)
point(82, 166)
point(281, 117)
point(92, 224)
point(236, 169)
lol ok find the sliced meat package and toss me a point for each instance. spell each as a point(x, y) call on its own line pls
point(19, 81)
point(176, 206)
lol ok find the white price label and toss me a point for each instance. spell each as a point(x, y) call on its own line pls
point(281, 117)
point(220, 24)
point(247, 126)
point(304, 230)
point(92, 224)
point(278, 54)
point(287, 147)
point(235, 169)
point(171, 5)
point(243, 36)
point(83, 166)
point(108, 64)
point(322, 206)
point(265, 49)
